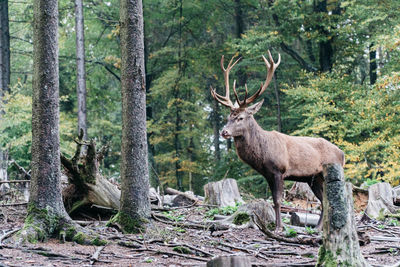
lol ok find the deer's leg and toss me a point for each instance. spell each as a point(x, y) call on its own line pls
point(316, 186)
point(276, 186)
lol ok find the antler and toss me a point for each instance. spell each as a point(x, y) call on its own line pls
point(225, 100)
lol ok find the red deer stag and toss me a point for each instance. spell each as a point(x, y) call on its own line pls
point(274, 155)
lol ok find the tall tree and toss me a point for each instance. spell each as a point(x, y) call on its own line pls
point(46, 213)
point(4, 73)
point(80, 68)
point(135, 205)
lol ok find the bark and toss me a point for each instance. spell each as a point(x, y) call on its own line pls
point(4, 48)
point(45, 209)
point(135, 205)
point(4, 78)
point(340, 241)
point(278, 105)
point(80, 68)
point(373, 66)
point(216, 126)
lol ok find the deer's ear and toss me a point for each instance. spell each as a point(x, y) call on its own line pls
point(254, 108)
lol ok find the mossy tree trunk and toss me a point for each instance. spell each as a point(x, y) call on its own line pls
point(135, 205)
point(340, 242)
point(46, 213)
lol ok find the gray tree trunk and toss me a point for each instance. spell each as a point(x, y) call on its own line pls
point(340, 242)
point(135, 204)
point(46, 209)
point(4, 76)
point(80, 68)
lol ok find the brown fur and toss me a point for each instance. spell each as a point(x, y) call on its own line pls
point(278, 156)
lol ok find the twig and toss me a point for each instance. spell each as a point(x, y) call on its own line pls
point(14, 181)
point(21, 169)
point(14, 204)
point(96, 255)
point(191, 247)
point(171, 253)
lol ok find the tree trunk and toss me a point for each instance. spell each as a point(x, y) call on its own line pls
point(325, 47)
point(135, 205)
point(278, 105)
point(216, 125)
point(380, 200)
point(80, 68)
point(46, 213)
point(4, 78)
point(372, 65)
point(340, 241)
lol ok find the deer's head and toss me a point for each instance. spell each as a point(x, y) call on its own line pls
point(241, 114)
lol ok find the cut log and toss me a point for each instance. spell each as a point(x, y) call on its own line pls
point(230, 261)
point(222, 193)
point(87, 186)
point(340, 241)
point(380, 200)
point(304, 219)
point(181, 198)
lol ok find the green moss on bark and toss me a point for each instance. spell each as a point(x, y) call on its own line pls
point(326, 258)
point(241, 218)
point(127, 223)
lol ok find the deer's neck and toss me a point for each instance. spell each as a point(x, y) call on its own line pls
point(253, 145)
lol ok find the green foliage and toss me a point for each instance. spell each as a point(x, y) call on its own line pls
point(173, 216)
point(310, 230)
point(228, 210)
point(290, 232)
point(241, 218)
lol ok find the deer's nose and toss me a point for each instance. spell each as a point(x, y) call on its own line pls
point(225, 134)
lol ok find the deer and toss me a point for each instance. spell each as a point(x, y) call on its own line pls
point(274, 155)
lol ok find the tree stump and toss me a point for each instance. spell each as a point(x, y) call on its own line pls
point(222, 193)
point(380, 200)
point(301, 191)
point(242, 217)
point(87, 186)
point(230, 261)
point(340, 242)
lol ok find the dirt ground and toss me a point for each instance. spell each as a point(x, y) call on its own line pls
point(161, 245)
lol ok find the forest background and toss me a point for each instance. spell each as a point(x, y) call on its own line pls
point(339, 79)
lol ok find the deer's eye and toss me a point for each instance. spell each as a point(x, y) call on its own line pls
point(240, 119)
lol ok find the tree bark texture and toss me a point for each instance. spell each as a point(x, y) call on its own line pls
point(134, 168)
point(80, 68)
point(340, 241)
point(4, 76)
point(4, 48)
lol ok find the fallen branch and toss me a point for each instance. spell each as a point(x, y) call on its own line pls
point(14, 204)
point(170, 253)
point(96, 255)
point(208, 226)
point(8, 234)
point(313, 241)
point(14, 181)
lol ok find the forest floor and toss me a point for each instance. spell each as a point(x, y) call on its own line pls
point(169, 244)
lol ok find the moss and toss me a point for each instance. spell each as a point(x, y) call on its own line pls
point(99, 242)
point(338, 251)
point(69, 233)
point(182, 250)
point(80, 238)
point(241, 218)
point(326, 258)
point(128, 224)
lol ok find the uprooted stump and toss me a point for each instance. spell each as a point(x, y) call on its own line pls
point(340, 242)
point(222, 193)
point(380, 200)
point(87, 186)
